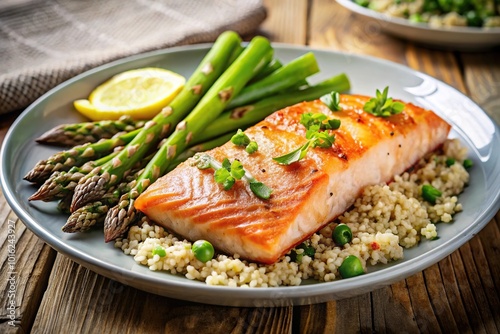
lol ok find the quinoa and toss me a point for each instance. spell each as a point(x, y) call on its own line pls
point(384, 220)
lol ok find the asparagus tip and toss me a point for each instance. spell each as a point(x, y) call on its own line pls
point(118, 219)
point(85, 217)
point(90, 188)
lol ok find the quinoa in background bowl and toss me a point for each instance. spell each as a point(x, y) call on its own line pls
point(440, 13)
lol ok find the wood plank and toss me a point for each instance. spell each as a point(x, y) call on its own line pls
point(23, 258)
point(452, 294)
point(25, 263)
point(481, 256)
point(286, 21)
point(333, 26)
point(6, 121)
point(442, 65)
point(441, 306)
point(84, 300)
point(489, 238)
point(317, 318)
point(482, 75)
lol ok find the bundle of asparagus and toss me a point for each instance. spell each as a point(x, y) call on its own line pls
point(233, 87)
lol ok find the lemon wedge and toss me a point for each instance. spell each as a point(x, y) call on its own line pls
point(140, 93)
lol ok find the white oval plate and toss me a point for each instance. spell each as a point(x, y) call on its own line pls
point(474, 128)
point(452, 38)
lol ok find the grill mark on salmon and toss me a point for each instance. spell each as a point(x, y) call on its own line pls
point(307, 194)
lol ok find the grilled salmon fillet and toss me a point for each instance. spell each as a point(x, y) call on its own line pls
point(306, 194)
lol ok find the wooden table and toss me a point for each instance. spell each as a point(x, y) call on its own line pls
point(459, 294)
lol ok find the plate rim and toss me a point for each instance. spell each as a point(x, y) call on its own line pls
point(276, 296)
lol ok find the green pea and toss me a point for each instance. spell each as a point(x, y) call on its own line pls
point(342, 234)
point(430, 194)
point(351, 266)
point(308, 250)
point(473, 19)
point(363, 3)
point(445, 5)
point(468, 163)
point(460, 6)
point(431, 6)
point(416, 18)
point(450, 162)
point(160, 251)
point(203, 250)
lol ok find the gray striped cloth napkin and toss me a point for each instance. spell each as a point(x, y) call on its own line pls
point(45, 42)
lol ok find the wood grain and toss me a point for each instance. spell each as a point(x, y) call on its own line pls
point(482, 75)
point(27, 260)
point(286, 21)
point(334, 27)
point(82, 299)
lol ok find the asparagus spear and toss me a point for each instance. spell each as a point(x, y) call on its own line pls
point(64, 204)
point(85, 217)
point(93, 186)
point(76, 156)
point(285, 77)
point(243, 117)
point(92, 213)
point(62, 183)
point(88, 132)
point(257, 54)
point(270, 68)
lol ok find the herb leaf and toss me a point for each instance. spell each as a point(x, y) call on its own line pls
point(319, 139)
point(240, 139)
point(260, 189)
point(223, 176)
point(226, 164)
point(226, 173)
point(237, 170)
point(293, 156)
point(252, 147)
point(332, 100)
point(383, 106)
point(203, 161)
point(310, 120)
point(316, 134)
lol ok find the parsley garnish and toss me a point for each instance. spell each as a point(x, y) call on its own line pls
point(228, 172)
point(316, 125)
point(383, 106)
point(317, 119)
point(252, 147)
point(332, 101)
point(241, 139)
